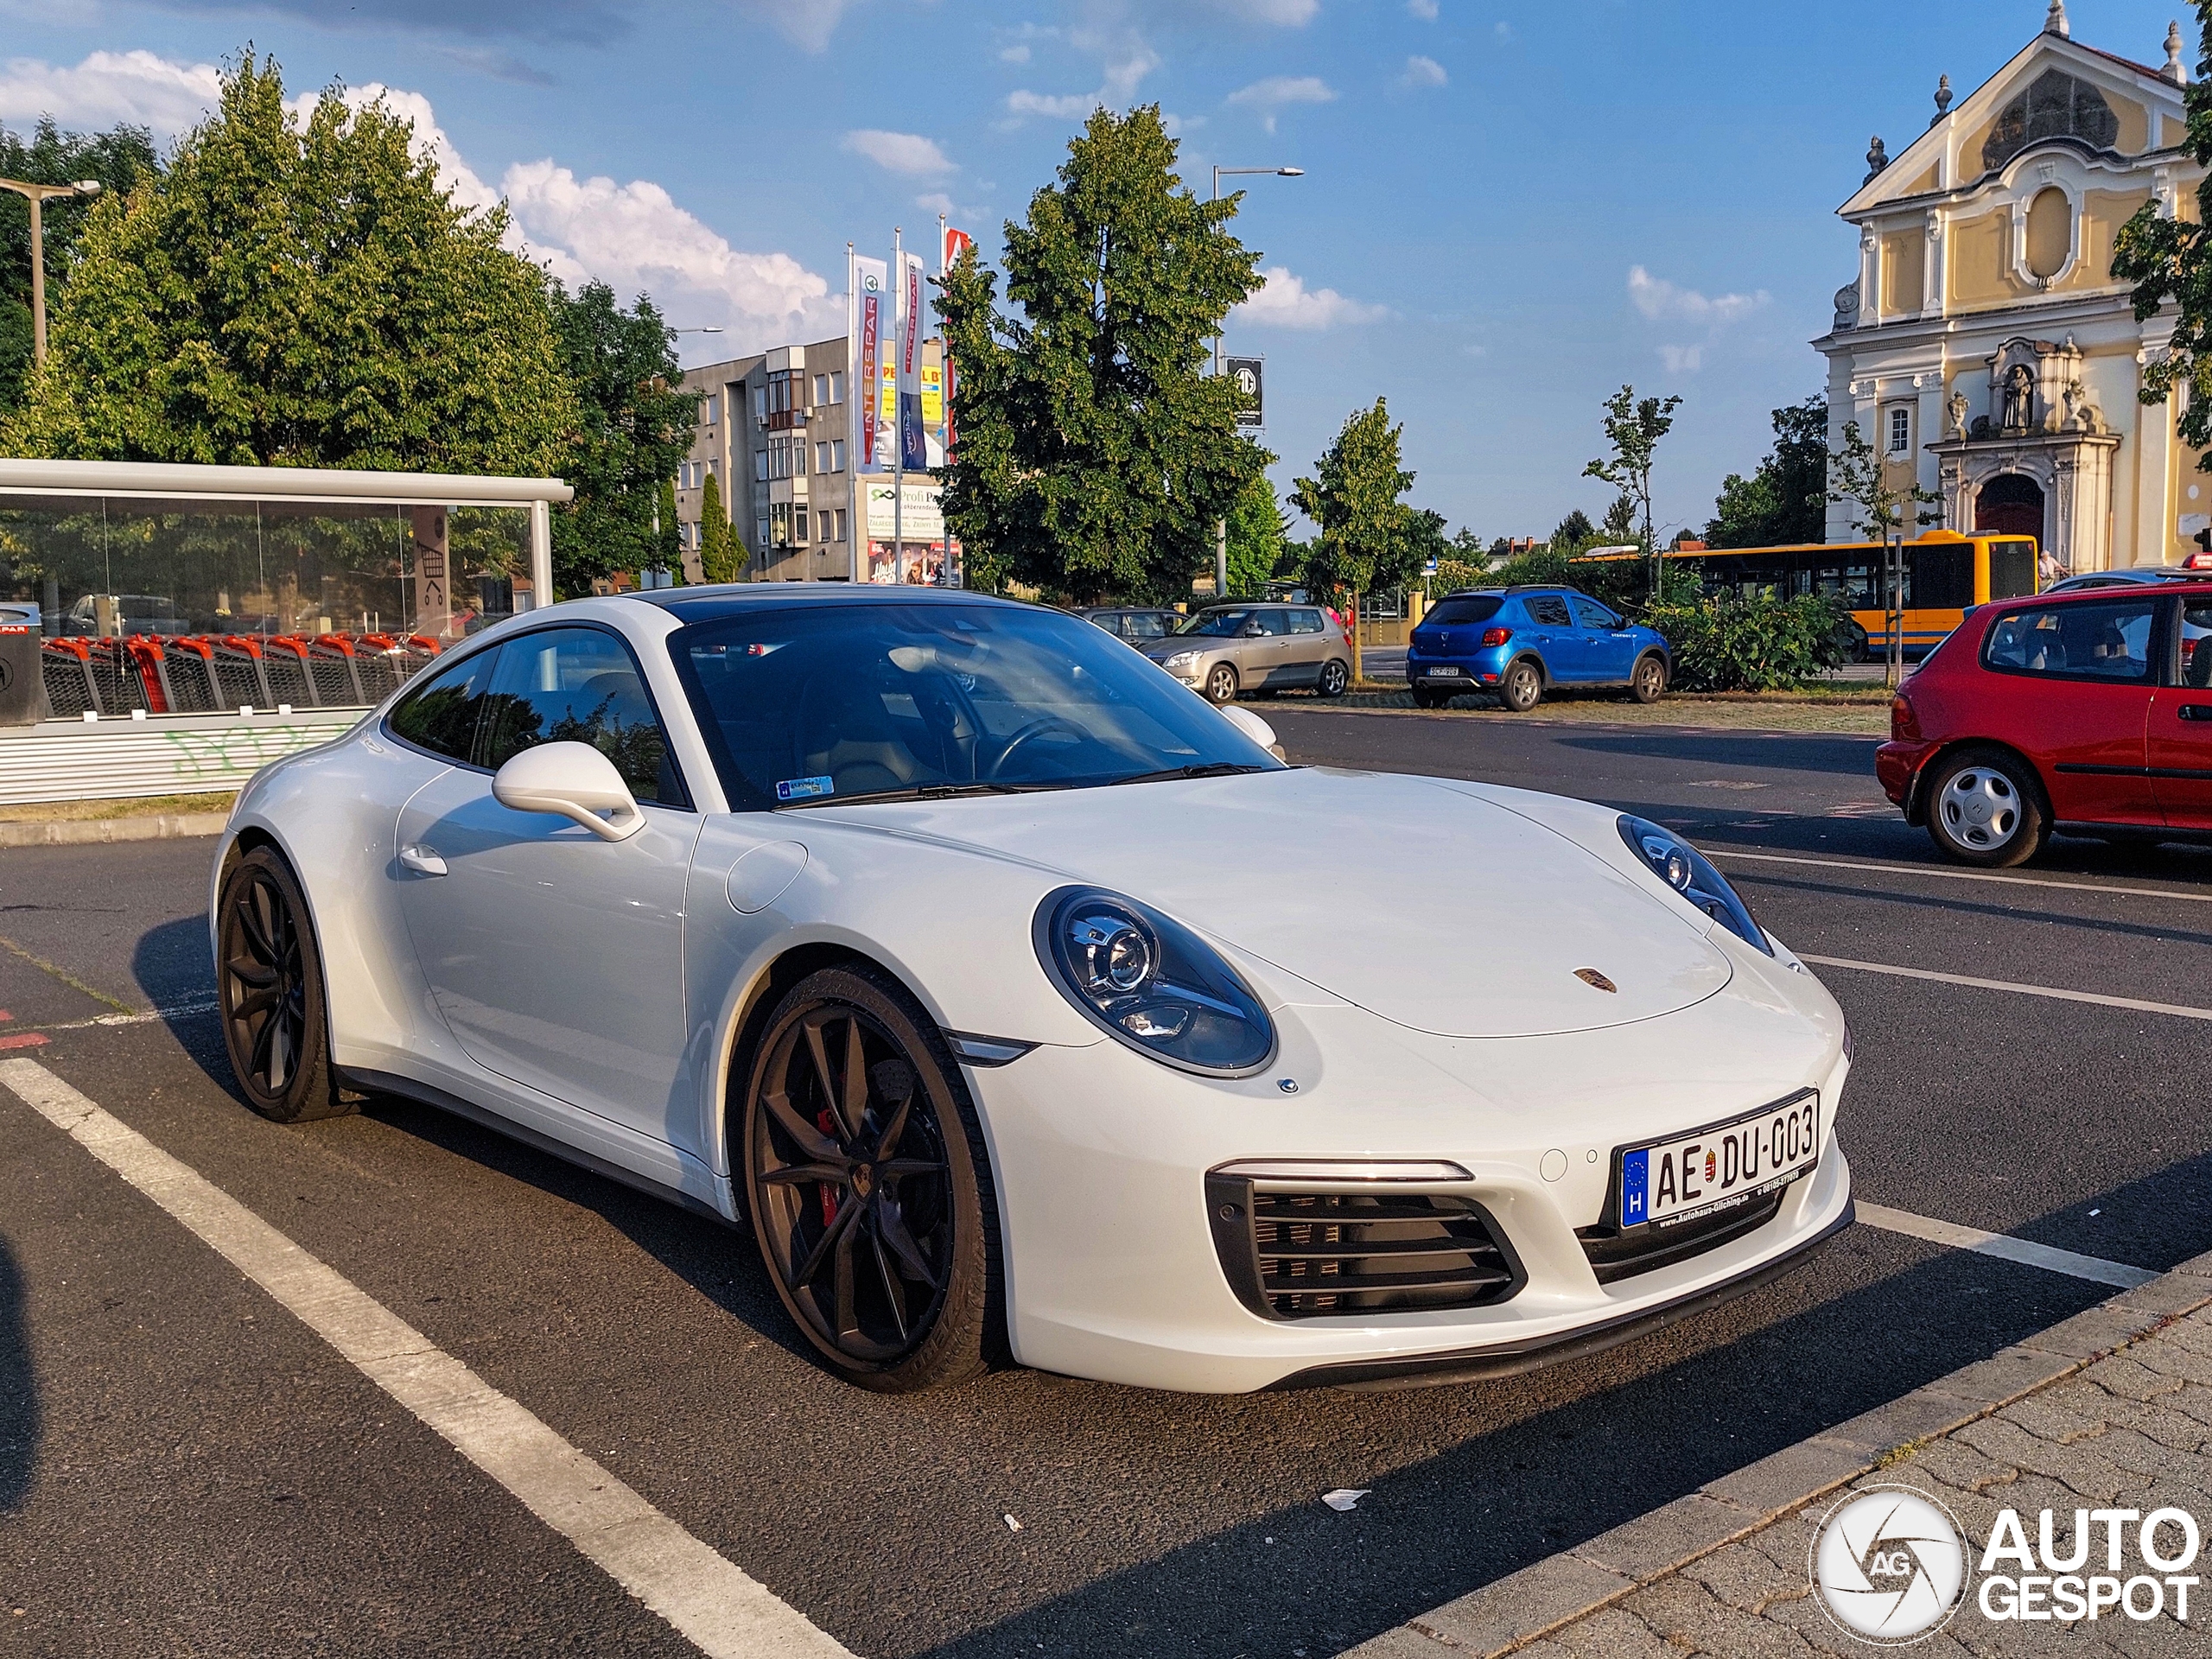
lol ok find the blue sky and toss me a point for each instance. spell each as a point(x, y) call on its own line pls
point(1509, 207)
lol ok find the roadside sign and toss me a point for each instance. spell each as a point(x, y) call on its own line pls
point(1250, 375)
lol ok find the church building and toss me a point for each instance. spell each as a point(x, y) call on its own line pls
point(1985, 350)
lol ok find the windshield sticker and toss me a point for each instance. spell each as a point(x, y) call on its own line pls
point(805, 789)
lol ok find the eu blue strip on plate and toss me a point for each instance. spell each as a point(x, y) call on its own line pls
point(1634, 1173)
point(805, 789)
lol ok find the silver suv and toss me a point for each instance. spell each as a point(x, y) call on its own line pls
point(1262, 648)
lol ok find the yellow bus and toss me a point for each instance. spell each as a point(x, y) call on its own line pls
point(1944, 573)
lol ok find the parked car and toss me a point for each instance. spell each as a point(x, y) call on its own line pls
point(2197, 567)
point(124, 613)
point(2087, 713)
point(1519, 642)
point(1260, 648)
point(1000, 989)
point(1138, 625)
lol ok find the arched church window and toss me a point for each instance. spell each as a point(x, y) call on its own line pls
point(2057, 105)
point(2050, 232)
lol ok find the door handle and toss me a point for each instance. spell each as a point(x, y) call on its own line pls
point(2196, 711)
point(423, 860)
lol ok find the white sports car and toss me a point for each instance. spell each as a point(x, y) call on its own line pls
point(1025, 1006)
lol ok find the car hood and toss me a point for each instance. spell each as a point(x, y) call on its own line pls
point(1423, 901)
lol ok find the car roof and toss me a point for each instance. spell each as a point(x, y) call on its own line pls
point(2190, 586)
point(747, 598)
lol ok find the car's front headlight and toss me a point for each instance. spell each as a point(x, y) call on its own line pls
point(1149, 981)
point(1684, 868)
point(1180, 660)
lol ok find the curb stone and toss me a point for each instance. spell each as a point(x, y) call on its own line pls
point(1524, 1607)
point(80, 832)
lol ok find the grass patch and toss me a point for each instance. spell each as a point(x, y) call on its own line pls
point(143, 806)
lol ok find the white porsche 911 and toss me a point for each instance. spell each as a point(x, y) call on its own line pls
point(1024, 1005)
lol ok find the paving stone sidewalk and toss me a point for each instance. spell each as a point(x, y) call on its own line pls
point(2111, 1408)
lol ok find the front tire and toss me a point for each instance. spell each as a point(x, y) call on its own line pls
point(1522, 689)
point(1985, 807)
point(869, 1188)
point(1333, 679)
point(270, 994)
point(1649, 682)
point(1221, 684)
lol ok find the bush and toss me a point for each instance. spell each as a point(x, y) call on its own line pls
point(1727, 644)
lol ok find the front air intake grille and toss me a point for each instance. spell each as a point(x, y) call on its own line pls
point(1304, 1255)
point(1615, 1254)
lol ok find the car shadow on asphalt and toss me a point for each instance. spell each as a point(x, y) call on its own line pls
point(19, 1405)
point(174, 966)
point(1839, 753)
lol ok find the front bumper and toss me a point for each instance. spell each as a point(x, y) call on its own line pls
point(1101, 1158)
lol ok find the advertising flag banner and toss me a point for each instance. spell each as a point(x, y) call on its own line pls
point(1249, 374)
point(871, 313)
point(933, 397)
point(955, 243)
point(914, 452)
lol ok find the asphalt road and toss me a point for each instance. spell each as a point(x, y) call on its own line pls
point(185, 1469)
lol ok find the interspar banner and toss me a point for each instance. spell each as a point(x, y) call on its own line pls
point(914, 451)
point(871, 291)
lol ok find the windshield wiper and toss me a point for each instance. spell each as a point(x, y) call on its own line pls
point(1210, 769)
point(923, 792)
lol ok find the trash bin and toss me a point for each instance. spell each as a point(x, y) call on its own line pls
point(22, 685)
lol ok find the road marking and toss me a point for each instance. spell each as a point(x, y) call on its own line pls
point(720, 1608)
point(2005, 1247)
point(24, 1040)
point(1961, 875)
point(2173, 1008)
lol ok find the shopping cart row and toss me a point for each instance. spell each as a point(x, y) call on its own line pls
point(210, 673)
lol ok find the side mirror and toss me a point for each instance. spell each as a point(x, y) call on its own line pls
point(1253, 727)
point(573, 781)
point(1251, 631)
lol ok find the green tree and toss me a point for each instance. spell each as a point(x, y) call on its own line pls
point(299, 294)
point(633, 427)
point(1095, 452)
point(1785, 501)
point(118, 158)
point(668, 533)
point(1257, 527)
point(1634, 426)
point(720, 558)
point(1619, 528)
point(2168, 260)
point(1575, 532)
point(1366, 536)
point(1888, 500)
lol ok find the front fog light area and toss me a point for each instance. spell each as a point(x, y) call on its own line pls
point(1150, 983)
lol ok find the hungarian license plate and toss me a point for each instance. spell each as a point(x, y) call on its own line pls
point(1441, 673)
point(1721, 1166)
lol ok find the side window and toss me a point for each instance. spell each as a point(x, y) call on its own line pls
point(2196, 644)
point(2110, 641)
point(1306, 621)
point(1145, 625)
point(1276, 622)
point(1589, 613)
point(579, 685)
point(1549, 611)
point(439, 715)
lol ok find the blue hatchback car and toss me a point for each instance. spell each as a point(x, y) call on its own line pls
point(1516, 642)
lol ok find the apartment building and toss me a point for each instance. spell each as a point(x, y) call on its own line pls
point(775, 432)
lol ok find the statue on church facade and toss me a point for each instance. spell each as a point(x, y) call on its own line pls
point(2019, 399)
point(1958, 406)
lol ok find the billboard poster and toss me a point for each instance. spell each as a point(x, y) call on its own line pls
point(871, 279)
point(914, 455)
point(921, 516)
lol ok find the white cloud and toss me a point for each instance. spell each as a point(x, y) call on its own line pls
point(1506, 31)
point(1424, 10)
point(1014, 55)
point(898, 152)
point(1285, 14)
point(807, 24)
point(1656, 297)
point(1682, 360)
point(1271, 95)
point(1066, 107)
point(140, 87)
point(936, 201)
point(1284, 302)
point(1423, 71)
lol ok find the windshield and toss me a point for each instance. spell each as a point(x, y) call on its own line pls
point(1475, 607)
point(881, 702)
point(1217, 623)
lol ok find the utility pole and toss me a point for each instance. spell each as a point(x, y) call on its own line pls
point(1221, 525)
point(37, 195)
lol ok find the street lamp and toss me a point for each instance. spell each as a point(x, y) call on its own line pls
point(36, 195)
point(1221, 525)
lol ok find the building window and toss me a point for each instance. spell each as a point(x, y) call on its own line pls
point(799, 524)
point(2057, 106)
point(837, 386)
point(822, 457)
point(760, 535)
point(761, 466)
point(1900, 431)
point(780, 390)
point(837, 454)
point(710, 411)
point(821, 388)
point(841, 524)
point(759, 403)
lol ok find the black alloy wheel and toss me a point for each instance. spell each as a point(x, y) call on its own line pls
point(868, 1188)
point(1334, 677)
point(1221, 683)
point(1522, 687)
point(268, 977)
point(1649, 684)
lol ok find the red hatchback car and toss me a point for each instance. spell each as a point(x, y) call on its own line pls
point(2089, 713)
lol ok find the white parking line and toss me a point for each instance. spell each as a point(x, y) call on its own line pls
point(2173, 1008)
point(1961, 875)
point(2003, 1245)
point(720, 1608)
